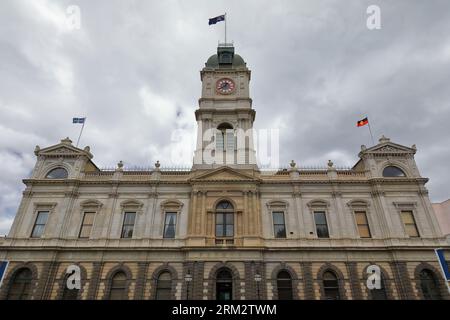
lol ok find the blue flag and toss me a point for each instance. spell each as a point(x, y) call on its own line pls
point(216, 19)
point(3, 267)
point(78, 120)
point(443, 263)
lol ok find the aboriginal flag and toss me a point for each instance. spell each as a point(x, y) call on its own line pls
point(216, 19)
point(362, 122)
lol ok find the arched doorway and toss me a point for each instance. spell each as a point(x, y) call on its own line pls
point(429, 286)
point(21, 285)
point(224, 285)
point(284, 285)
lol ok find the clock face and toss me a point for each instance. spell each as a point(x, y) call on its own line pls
point(225, 86)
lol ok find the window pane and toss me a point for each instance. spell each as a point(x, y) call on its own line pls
point(129, 217)
point(219, 218)
point(171, 218)
point(322, 231)
point(42, 217)
point(85, 231)
point(37, 231)
point(279, 231)
point(88, 218)
point(411, 230)
point(407, 217)
point(320, 217)
point(229, 218)
point(219, 230)
point(278, 217)
point(58, 173)
point(393, 172)
point(229, 230)
point(219, 141)
point(364, 231)
point(127, 232)
point(361, 217)
point(230, 140)
point(170, 223)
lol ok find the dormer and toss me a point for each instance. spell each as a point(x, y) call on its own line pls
point(62, 161)
point(388, 160)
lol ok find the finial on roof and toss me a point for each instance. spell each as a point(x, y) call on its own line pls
point(363, 147)
point(120, 165)
point(414, 147)
point(293, 164)
point(87, 149)
point(36, 150)
point(157, 164)
point(383, 139)
point(66, 141)
point(330, 164)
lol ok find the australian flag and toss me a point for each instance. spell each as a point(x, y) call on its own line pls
point(216, 19)
point(78, 120)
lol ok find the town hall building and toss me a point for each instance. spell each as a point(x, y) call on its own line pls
point(225, 229)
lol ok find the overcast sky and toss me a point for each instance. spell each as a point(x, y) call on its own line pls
point(133, 69)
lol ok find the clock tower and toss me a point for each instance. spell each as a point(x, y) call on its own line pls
point(225, 115)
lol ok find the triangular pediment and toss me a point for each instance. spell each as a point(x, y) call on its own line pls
point(224, 174)
point(390, 147)
point(65, 148)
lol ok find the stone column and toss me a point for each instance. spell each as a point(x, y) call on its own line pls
point(308, 280)
point(94, 280)
point(140, 280)
point(354, 281)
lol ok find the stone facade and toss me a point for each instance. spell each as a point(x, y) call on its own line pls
point(253, 255)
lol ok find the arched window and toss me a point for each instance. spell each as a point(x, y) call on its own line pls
point(164, 286)
point(69, 294)
point(224, 219)
point(225, 137)
point(392, 171)
point(224, 285)
point(284, 285)
point(57, 173)
point(331, 286)
point(21, 285)
point(118, 286)
point(429, 286)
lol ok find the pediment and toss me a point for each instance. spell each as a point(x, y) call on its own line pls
point(224, 174)
point(389, 148)
point(63, 149)
point(60, 150)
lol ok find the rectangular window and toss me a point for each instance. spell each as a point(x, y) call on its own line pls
point(410, 223)
point(219, 141)
point(279, 226)
point(86, 226)
point(320, 219)
point(128, 224)
point(170, 224)
point(230, 140)
point(39, 224)
point(224, 225)
point(362, 224)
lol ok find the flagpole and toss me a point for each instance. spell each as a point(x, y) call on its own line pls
point(225, 27)
point(371, 135)
point(81, 131)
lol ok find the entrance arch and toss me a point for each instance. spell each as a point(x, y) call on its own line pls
point(224, 284)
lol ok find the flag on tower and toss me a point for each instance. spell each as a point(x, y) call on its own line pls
point(78, 120)
point(362, 122)
point(216, 19)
